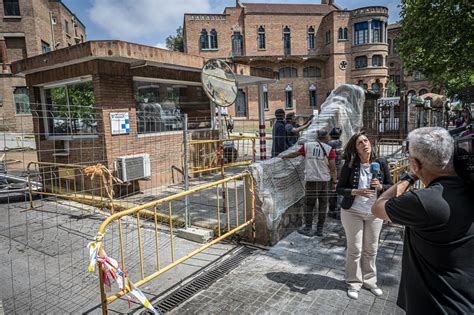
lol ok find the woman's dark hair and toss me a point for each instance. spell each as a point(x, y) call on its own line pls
point(350, 151)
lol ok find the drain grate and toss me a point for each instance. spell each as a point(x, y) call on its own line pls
point(203, 281)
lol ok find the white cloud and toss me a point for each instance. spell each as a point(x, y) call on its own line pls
point(143, 20)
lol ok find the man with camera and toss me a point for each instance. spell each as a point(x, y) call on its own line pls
point(438, 252)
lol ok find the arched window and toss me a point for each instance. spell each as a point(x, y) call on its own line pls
point(310, 72)
point(340, 33)
point(361, 62)
point(311, 38)
point(213, 39)
point(261, 37)
point(312, 96)
point(376, 87)
point(288, 72)
point(288, 97)
point(422, 91)
point(237, 44)
point(287, 41)
point(204, 39)
point(345, 34)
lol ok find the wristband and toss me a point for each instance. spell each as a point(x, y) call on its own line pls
point(408, 178)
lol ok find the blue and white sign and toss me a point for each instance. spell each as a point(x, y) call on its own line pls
point(119, 123)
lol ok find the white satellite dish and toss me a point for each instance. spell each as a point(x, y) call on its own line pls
point(219, 82)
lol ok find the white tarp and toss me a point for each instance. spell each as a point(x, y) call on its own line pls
point(280, 183)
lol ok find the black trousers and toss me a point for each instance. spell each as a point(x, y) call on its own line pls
point(316, 192)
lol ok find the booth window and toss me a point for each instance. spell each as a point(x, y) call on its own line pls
point(160, 107)
point(22, 100)
point(70, 109)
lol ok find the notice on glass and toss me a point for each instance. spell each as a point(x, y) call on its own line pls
point(119, 123)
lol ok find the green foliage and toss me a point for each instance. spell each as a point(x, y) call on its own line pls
point(176, 42)
point(438, 40)
point(391, 89)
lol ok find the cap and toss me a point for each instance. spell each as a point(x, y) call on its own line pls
point(322, 133)
point(335, 132)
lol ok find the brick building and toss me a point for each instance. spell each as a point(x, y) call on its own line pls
point(411, 83)
point(29, 28)
point(309, 48)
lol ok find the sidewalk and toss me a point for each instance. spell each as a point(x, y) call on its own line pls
point(302, 275)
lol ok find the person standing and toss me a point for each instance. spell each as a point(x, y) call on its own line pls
point(320, 169)
point(335, 199)
point(279, 133)
point(293, 129)
point(362, 228)
point(438, 249)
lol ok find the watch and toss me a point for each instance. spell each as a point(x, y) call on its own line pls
point(406, 176)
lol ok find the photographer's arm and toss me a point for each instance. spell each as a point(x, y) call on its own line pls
point(378, 209)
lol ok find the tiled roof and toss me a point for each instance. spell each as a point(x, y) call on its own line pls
point(281, 8)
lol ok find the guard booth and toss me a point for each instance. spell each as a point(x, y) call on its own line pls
point(121, 105)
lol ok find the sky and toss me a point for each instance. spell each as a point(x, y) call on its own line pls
point(149, 22)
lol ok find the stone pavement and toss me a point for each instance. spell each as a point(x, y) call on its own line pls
point(302, 275)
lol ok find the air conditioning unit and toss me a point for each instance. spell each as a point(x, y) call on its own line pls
point(133, 167)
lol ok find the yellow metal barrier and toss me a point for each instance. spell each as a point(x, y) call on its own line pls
point(68, 181)
point(143, 211)
point(401, 166)
point(211, 155)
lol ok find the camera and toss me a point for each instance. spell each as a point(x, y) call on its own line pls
point(463, 153)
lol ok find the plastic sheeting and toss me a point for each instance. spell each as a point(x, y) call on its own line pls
point(280, 183)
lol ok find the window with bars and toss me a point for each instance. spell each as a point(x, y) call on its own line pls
point(327, 37)
point(261, 37)
point(265, 101)
point(204, 39)
point(361, 33)
point(311, 42)
point(288, 72)
point(310, 72)
point(11, 7)
point(361, 62)
point(213, 39)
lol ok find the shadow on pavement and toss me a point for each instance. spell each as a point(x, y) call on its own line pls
point(305, 283)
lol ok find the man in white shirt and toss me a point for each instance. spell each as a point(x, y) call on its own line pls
point(320, 169)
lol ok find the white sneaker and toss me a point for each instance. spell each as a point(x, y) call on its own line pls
point(353, 294)
point(376, 291)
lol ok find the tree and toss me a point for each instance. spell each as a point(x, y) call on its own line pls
point(438, 40)
point(391, 89)
point(176, 42)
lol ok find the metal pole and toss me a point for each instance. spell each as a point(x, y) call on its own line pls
point(185, 170)
point(261, 123)
point(221, 152)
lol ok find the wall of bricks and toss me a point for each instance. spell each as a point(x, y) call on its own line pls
point(22, 35)
point(113, 90)
point(327, 56)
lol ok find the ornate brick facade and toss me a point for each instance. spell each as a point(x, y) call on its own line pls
point(310, 48)
point(28, 29)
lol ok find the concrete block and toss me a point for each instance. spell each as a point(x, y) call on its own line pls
point(195, 234)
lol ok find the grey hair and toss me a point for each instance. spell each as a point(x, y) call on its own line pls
point(433, 147)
